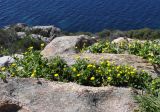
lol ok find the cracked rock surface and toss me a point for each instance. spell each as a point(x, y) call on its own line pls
point(26, 95)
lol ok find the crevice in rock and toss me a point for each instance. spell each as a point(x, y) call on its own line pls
point(10, 108)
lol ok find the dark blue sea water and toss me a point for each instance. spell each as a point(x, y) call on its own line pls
point(82, 15)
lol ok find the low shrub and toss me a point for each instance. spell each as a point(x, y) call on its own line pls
point(144, 33)
point(82, 72)
point(149, 103)
point(149, 50)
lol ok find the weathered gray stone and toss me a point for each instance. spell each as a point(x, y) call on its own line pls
point(26, 95)
point(21, 35)
point(36, 36)
point(19, 27)
point(122, 39)
point(5, 60)
point(46, 31)
point(66, 44)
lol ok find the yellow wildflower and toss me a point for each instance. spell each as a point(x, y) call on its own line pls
point(3, 68)
point(56, 75)
point(33, 75)
point(132, 72)
point(13, 75)
point(155, 45)
point(150, 59)
point(92, 78)
point(109, 70)
point(13, 64)
point(109, 78)
point(90, 66)
point(74, 69)
point(108, 64)
point(118, 75)
point(78, 75)
point(143, 71)
point(118, 67)
point(42, 45)
point(30, 48)
point(34, 71)
point(134, 69)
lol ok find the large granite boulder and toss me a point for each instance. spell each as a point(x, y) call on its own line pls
point(119, 59)
point(26, 95)
point(66, 44)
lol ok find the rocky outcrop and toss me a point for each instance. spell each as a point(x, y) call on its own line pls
point(19, 27)
point(26, 95)
point(46, 31)
point(121, 39)
point(21, 35)
point(6, 60)
point(66, 44)
point(65, 48)
point(126, 40)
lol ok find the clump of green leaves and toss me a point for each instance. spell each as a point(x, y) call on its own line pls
point(149, 50)
point(149, 103)
point(107, 73)
point(33, 65)
point(83, 72)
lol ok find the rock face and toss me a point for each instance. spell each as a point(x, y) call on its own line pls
point(26, 95)
point(126, 40)
point(46, 31)
point(66, 44)
point(119, 59)
point(5, 60)
point(122, 39)
point(21, 35)
point(20, 27)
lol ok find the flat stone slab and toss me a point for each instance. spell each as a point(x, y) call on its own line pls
point(26, 95)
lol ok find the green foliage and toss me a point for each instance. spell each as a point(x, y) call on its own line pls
point(82, 72)
point(10, 43)
point(110, 34)
point(32, 65)
point(149, 103)
point(7, 37)
point(107, 73)
point(149, 50)
point(77, 33)
point(144, 33)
